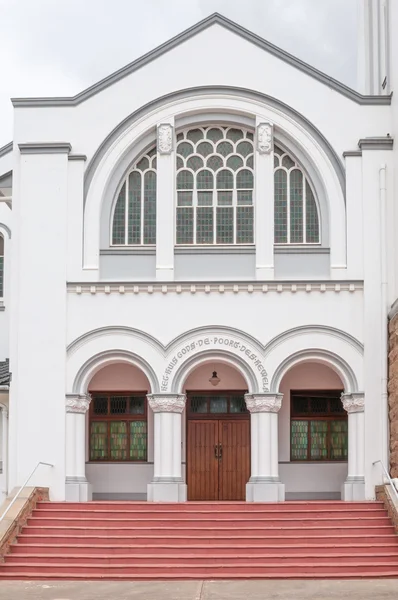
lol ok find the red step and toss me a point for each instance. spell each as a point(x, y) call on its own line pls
point(204, 540)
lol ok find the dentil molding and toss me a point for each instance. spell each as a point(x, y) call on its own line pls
point(354, 402)
point(78, 403)
point(268, 403)
point(173, 403)
point(264, 138)
point(165, 139)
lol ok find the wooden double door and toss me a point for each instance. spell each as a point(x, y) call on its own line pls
point(218, 458)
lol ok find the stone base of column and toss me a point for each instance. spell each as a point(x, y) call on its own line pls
point(353, 489)
point(265, 489)
point(167, 490)
point(78, 490)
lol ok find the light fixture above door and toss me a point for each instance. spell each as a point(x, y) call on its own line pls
point(214, 379)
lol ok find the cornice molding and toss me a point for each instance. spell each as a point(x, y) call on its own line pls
point(376, 143)
point(170, 403)
point(352, 153)
point(77, 403)
point(214, 19)
point(82, 157)
point(354, 402)
point(45, 148)
point(6, 149)
point(214, 287)
point(263, 403)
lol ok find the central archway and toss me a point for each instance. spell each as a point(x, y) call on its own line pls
point(216, 431)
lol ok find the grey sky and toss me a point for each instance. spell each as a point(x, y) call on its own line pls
point(58, 47)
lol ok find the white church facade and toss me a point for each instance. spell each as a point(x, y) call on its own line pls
point(197, 261)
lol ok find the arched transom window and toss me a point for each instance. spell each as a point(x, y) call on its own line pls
point(215, 186)
point(296, 212)
point(134, 217)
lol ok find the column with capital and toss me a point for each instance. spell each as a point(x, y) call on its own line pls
point(354, 486)
point(77, 488)
point(264, 484)
point(167, 484)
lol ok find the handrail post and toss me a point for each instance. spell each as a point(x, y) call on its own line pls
point(390, 481)
point(23, 486)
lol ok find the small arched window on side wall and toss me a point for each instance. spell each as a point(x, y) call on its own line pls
point(1, 267)
point(296, 216)
point(134, 214)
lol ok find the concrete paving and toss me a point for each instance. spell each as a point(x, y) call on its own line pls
point(369, 589)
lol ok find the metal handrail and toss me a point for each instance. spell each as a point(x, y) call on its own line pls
point(23, 486)
point(392, 484)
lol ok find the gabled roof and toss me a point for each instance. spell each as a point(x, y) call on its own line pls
point(5, 372)
point(186, 35)
point(5, 149)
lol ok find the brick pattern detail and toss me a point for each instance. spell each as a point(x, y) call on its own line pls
point(13, 526)
point(384, 495)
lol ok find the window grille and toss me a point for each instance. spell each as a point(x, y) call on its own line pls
point(318, 427)
point(296, 215)
point(118, 427)
point(215, 186)
point(134, 215)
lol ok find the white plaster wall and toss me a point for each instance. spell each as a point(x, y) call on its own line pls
point(5, 229)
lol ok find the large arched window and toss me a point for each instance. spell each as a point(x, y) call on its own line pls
point(296, 213)
point(134, 216)
point(1, 266)
point(215, 186)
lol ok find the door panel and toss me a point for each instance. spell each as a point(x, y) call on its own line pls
point(202, 463)
point(234, 464)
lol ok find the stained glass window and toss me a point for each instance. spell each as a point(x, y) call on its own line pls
point(1, 266)
point(118, 427)
point(134, 214)
point(215, 186)
point(212, 403)
point(319, 427)
point(296, 218)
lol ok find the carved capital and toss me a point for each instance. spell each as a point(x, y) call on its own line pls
point(78, 403)
point(174, 403)
point(353, 403)
point(270, 403)
point(165, 138)
point(264, 138)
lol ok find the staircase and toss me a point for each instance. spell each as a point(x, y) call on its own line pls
point(204, 540)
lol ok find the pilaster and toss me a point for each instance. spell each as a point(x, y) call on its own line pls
point(264, 200)
point(264, 484)
point(165, 201)
point(167, 484)
point(77, 488)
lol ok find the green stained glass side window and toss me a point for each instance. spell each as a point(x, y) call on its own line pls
point(119, 218)
point(98, 440)
point(244, 225)
point(184, 225)
point(225, 225)
point(138, 440)
point(134, 216)
point(118, 440)
point(280, 207)
point(204, 225)
point(296, 207)
point(339, 440)
point(299, 440)
point(319, 439)
point(312, 219)
point(150, 208)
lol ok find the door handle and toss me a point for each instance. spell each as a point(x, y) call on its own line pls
point(219, 451)
point(215, 451)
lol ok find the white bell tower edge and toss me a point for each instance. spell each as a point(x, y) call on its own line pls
point(374, 47)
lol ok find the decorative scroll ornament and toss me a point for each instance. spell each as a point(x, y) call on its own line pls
point(174, 403)
point(258, 403)
point(264, 138)
point(165, 139)
point(353, 403)
point(78, 404)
